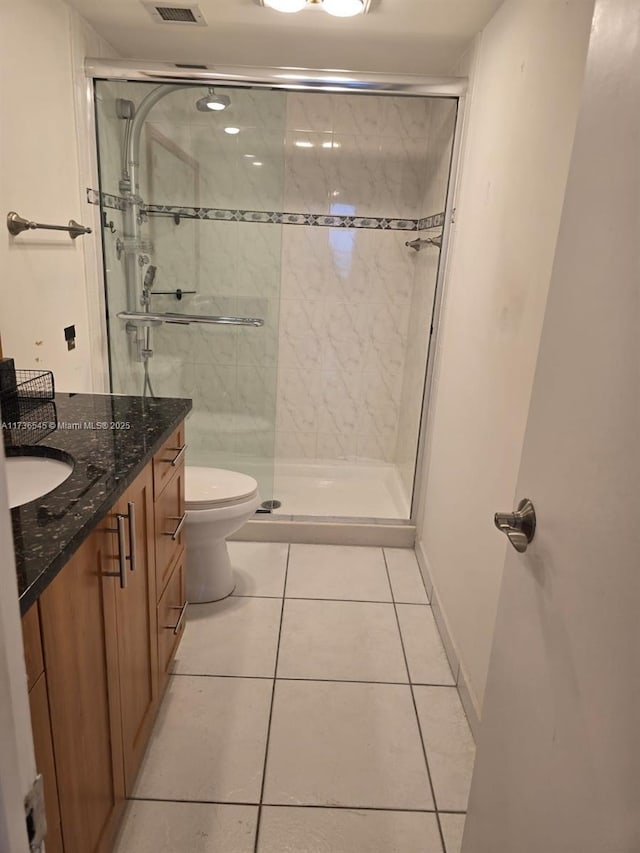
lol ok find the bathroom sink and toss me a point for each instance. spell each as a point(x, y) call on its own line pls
point(31, 477)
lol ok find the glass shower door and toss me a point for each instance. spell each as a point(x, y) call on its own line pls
point(204, 242)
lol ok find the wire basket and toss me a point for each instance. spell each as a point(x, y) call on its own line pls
point(28, 410)
point(34, 384)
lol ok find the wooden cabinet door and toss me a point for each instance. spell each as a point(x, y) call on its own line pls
point(78, 623)
point(136, 623)
point(45, 763)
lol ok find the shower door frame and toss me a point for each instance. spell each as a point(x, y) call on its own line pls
point(335, 82)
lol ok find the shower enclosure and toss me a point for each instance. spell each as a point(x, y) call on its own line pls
point(274, 255)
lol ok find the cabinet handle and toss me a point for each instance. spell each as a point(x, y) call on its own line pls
point(178, 455)
point(132, 535)
point(181, 520)
point(122, 560)
point(183, 609)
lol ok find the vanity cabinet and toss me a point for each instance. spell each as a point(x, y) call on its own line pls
point(98, 645)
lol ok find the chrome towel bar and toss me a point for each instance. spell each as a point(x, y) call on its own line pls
point(140, 318)
point(16, 224)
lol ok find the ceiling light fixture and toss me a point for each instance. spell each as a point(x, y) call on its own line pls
point(343, 8)
point(286, 5)
point(337, 8)
point(232, 130)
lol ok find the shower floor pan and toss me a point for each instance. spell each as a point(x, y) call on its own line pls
point(371, 490)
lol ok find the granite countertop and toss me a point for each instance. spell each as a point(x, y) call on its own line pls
point(110, 439)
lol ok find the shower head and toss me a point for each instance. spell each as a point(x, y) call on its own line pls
point(214, 102)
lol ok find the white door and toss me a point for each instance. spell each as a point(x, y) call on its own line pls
point(558, 764)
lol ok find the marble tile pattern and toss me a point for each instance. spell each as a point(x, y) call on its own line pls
point(336, 371)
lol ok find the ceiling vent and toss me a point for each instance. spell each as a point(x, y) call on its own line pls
point(176, 14)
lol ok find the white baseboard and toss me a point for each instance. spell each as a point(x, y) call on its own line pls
point(467, 696)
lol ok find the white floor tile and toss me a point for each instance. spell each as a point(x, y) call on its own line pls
point(337, 571)
point(341, 640)
point(425, 653)
point(209, 741)
point(237, 636)
point(452, 829)
point(259, 567)
point(354, 745)
point(299, 830)
point(449, 744)
point(187, 828)
point(406, 581)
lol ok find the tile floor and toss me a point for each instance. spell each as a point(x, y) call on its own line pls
point(313, 711)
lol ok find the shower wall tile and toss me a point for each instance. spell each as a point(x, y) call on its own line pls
point(308, 171)
point(376, 447)
point(258, 257)
point(340, 402)
point(336, 446)
point(258, 345)
point(357, 115)
point(254, 443)
point(215, 388)
point(301, 337)
point(347, 327)
point(307, 263)
point(405, 117)
point(218, 246)
point(296, 445)
point(310, 112)
point(298, 400)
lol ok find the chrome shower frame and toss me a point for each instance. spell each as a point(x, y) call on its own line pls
point(315, 80)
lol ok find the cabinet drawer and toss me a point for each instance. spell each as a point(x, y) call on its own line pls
point(171, 618)
point(167, 459)
point(32, 645)
point(169, 527)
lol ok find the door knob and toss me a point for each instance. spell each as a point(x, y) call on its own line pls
point(519, 526)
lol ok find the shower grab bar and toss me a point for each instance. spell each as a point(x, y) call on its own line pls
point(185, 319)
point(16, 224)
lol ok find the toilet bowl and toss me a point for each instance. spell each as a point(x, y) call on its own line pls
point(217, 503)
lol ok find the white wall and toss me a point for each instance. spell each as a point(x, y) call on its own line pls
point(529, 65)
point(43, 174)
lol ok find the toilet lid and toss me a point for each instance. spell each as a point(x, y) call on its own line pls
point(210, 487)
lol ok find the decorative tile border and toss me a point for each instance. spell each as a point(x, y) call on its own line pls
point(115, 202)
point(379, 223)
point(434, 221)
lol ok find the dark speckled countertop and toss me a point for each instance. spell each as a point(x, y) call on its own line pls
point(107, 455)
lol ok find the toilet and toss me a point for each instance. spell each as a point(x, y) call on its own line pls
point(217, 503)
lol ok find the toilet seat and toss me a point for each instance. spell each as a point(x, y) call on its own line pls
point(212, 488)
